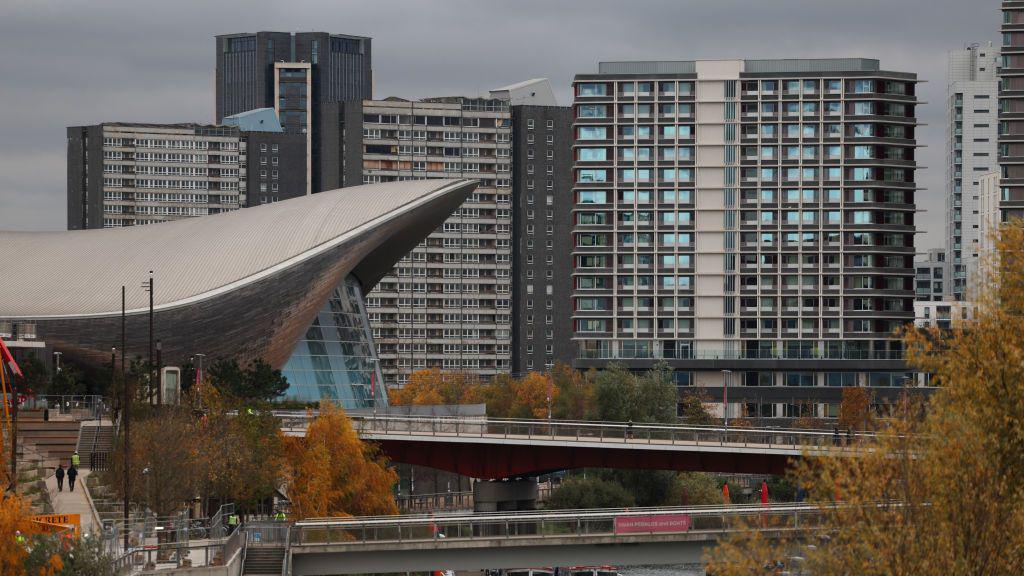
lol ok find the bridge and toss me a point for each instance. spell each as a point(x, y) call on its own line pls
point(507, 448)
point(644, 536)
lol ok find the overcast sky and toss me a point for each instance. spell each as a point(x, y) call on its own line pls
point(75, 62)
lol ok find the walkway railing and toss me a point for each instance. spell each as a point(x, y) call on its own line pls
point(588, 431)
point(613, 523)
point(82, 407)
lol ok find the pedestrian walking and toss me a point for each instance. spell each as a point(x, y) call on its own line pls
point(72, 474)
point(76, 460)
point(59, 473)
point(835, 435)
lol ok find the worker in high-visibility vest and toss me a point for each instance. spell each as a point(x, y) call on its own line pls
point(19, 537)
point(76, 460)
point(279, 516)
point(232, 520)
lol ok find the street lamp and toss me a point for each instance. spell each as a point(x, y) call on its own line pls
point(56, 360)
point(725, 396)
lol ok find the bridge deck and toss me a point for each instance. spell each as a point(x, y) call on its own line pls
point(571, 537)
point(492, 448)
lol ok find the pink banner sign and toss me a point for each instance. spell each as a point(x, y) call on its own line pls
point(658, 523)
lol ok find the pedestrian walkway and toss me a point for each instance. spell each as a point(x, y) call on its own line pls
point(68, 502)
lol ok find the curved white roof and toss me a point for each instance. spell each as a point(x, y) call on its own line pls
point(80, 273)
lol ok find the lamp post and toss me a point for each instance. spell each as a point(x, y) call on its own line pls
point(725, 397)
point(148, 287)
point(159, 373)
point(56, 361)
point(127, 420)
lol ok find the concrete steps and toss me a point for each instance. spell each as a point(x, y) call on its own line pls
point(53, 441)
point(95, 439)
point(263, 561)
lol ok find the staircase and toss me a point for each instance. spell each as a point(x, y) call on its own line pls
point(95, 438)
point(263, 560)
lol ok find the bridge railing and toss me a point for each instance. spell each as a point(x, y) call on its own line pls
point(604, 432)
point(612, 523)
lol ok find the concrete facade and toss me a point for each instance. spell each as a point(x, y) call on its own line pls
point(932, 276)
point(542, 220)
point(971, 151)
point(446, 304)
point(1011, 111)
point(124, 174)
point(745, 209)
point(304, 75)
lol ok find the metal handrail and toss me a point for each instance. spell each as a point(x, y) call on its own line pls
point(560, 524)
point(550, 514)
point(603, 432)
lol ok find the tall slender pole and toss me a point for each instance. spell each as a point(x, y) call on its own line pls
point(150, 366)
point(127, 418)
point(159, 374)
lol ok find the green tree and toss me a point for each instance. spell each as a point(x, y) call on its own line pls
point(82, 556)
point(694, 409)
point(614, 394)
point(258, 381)
point(699, 489)
point(575, 393)
point(35, 377)
point(656, 396)
point(591, 492)
point(69, 381)
point(647, 487)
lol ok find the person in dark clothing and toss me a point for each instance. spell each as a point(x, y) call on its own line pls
point(59, 473)
point(835, 435)
point(72, 474)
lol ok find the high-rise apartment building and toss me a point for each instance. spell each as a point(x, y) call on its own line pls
point(932, 276)
point(971, 150)
point(447, 304)
point(125, 174)
point(988, 214)
point(750, 222)
point(541, 217)
point(1011, 111)
point(296, 74)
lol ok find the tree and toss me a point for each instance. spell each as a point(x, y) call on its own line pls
point(530, 395)
point(855, 409)
point(592, 492)
point(69, 381)
point(434, 387)
point(647, 487)
point(614, 394)
point(246, 465)
point(256, 382)
point(334, 473)
point(575, 393)
point(14, 520)
point(699, 489)
point(78, 557)
point(35, 378)
point(656, 396)
point(938, 491)
point(165, 451)
point(694, 409)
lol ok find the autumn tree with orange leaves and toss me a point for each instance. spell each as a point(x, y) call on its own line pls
point(332, 472)
point(433, 387)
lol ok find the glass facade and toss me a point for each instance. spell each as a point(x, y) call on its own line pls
point(335, 359)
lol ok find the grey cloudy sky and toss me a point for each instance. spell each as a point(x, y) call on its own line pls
point(74, 62)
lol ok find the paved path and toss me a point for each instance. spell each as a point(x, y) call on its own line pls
point(68, 502)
